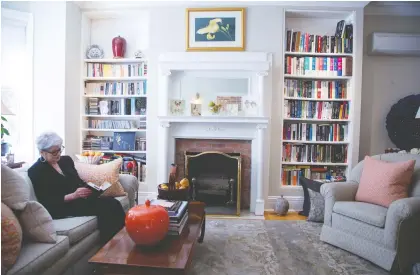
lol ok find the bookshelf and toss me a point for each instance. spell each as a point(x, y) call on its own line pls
point(317, 97)
point(121, 86)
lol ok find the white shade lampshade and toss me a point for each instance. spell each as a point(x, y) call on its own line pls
point(418, 113)
point(5, 110)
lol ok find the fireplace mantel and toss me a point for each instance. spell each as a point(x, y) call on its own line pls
point(257, 66)
point(214, 119)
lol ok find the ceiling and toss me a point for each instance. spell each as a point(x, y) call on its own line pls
point(106, 5)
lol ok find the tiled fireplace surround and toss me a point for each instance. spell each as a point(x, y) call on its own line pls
point(226, 146)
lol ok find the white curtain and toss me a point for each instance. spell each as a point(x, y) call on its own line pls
point(16, 86)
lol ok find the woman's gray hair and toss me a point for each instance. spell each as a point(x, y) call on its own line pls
point(47, 140)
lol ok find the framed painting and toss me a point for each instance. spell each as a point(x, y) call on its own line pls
point(215, 29)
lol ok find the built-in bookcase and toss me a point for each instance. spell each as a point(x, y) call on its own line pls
point(119, 84)
point(317, 95)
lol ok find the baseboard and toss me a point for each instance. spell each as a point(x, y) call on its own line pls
point(146, 195)
point(295, 203)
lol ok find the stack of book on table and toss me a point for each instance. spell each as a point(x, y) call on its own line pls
point(178, 214)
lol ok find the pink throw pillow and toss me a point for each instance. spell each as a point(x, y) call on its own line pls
point(383, 182)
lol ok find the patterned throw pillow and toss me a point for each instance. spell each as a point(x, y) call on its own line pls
point(11, 237)
point(98, 174)
point(383, 182)
point(14, 189)
point(308, 184)
point(316, 213)
point(37, 223)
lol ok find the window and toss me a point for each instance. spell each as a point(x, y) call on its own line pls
point(16, 81)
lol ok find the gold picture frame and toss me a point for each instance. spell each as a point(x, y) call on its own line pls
point(213, 32)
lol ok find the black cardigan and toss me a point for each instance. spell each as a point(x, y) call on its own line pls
point(50, 186)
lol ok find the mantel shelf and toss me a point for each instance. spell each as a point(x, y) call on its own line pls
point(214, 119)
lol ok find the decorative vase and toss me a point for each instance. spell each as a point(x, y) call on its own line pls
point(282, 206)
point(147, 224)
point(118, 47)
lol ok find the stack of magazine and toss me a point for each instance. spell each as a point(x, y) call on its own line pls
point(178, 214)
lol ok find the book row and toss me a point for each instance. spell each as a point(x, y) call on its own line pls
point(291, 174)
point(131, 165)
point(315, 132)
point(342, 42)
point(318, 66)
point(123, 106)
point(115, 70)
point(317, 89)
point(314, 153)
point(120, 141)
point(116, 88)
point(316, 109)
point(115, 124)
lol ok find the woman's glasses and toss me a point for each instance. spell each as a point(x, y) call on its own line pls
point(57, 152)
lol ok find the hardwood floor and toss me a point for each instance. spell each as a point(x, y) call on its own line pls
point(291, 216)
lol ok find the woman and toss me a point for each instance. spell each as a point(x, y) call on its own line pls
point(63, 193)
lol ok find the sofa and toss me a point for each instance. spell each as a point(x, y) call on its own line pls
point(388, 237)
point(77, 240)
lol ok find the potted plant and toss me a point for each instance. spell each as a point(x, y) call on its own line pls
point(4, 131)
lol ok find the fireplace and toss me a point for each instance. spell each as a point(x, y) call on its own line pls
point(215, 180)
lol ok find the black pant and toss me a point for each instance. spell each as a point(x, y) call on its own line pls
point(111, 215)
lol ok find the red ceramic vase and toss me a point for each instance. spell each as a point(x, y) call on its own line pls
point(147, 224)
point(118, 47)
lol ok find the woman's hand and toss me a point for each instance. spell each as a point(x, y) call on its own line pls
point(82, 192)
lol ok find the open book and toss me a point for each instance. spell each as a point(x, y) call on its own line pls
point(102, 188)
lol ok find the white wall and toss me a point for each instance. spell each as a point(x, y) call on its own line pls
point(73, 63)
point(386, 79)
point(49, 63)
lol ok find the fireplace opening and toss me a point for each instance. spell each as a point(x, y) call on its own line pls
point(216, 180)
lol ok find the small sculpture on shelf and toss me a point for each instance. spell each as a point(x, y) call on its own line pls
point(118, 47)
point(214, 108)
point(138, 54)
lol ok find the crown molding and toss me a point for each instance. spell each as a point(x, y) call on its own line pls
point(110, 5)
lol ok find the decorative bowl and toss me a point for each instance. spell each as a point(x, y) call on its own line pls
point(147, 224)
point(90, 159)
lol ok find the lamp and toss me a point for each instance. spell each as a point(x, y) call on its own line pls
point(418, 113)
point(5, 110)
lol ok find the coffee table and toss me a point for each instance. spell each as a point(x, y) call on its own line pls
point(172, 256)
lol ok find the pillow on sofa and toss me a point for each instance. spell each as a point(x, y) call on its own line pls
point(14, 189)
point(11, 237)
point(98, 174)
point(312, 185)
point(37, 223)
point(383, 182)
point(316, 212)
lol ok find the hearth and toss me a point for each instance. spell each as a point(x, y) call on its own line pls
point(215, 180)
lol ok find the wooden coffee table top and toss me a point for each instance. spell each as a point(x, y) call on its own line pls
point(171, 256)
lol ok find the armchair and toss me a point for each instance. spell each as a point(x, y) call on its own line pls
point(388, 237)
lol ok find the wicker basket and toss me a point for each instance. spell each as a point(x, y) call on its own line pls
point(176, 194)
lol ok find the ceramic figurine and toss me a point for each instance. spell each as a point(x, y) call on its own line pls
point(282, 206)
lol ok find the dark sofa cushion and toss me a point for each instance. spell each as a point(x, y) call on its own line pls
point(308, 184)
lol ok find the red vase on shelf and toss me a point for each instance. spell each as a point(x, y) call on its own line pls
point(118, 47)
point(147, 224)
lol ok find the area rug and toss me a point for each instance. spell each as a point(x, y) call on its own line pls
point(258, 247)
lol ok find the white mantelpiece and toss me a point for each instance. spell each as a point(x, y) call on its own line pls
point(257, 67)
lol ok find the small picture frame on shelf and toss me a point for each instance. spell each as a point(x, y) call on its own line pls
point(232, 109)
point(124, 141)
point(250, 107)
point(195, 109)
point(177, 107)
point(224, 101)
